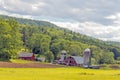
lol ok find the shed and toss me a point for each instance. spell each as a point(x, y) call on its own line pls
point(26, 56)
point(74, 61)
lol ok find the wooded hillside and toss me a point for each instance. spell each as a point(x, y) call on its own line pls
point(48, 40)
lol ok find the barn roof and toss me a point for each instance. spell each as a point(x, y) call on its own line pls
point(25, 54)
point(78, 59)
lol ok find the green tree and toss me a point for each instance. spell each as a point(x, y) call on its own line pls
point(16, 42)
point(55, 49)
point(49, 56)
point(107, 58)
point(74, 50)
point(39, 43)
point(10, 39)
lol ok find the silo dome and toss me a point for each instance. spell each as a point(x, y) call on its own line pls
point(63, 52)
point(87, 50)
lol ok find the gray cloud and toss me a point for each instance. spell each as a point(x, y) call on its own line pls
point(80, 10)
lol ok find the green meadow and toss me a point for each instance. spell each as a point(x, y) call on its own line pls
point(58, 74)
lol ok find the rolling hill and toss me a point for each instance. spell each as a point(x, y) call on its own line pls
point(47, 39)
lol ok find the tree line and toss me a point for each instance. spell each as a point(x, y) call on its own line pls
point(49, 41)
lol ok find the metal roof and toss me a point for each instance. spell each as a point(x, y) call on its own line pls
point(78, 59)
point(25, 54)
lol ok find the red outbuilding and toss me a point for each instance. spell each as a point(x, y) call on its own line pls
point(27, 56)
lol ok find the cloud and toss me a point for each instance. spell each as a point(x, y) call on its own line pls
point(38, 5)
point(80, 10)
point(93, 29)
point(16, 15)
point(21, 7)
point(115, 18)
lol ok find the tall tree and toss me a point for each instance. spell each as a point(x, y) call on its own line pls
point(10, 39)
point(39, 43)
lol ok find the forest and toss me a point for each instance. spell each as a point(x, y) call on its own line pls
point(48, 40)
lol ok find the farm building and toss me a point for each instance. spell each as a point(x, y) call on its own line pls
point(41, 59)
point(62, 57)
point(74, 61)
point(26, 56)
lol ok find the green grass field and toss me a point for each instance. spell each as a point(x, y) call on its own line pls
point(58, 74)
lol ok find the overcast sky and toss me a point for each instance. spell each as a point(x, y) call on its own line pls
point(96, 18)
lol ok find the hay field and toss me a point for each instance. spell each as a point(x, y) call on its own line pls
point(58, 74)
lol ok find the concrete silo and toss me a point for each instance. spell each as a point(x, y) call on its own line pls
point(86, 57)
point(62, 57)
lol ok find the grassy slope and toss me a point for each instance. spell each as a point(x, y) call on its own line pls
point(57, 74)
point(20, 61)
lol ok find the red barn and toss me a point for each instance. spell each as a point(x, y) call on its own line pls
point(74, 61)
point(26, 56)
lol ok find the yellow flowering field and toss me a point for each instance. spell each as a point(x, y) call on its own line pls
point(58, 74)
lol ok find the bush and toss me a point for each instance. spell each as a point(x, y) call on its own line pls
point(107, 58)
point(49, 56)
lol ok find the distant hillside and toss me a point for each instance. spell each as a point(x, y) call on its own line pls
point(113, 43)
point(30, 21)
point(46, 39)
point(48, 24)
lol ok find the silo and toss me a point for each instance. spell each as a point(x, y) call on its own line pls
point(86, 57)
point(63, 55)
